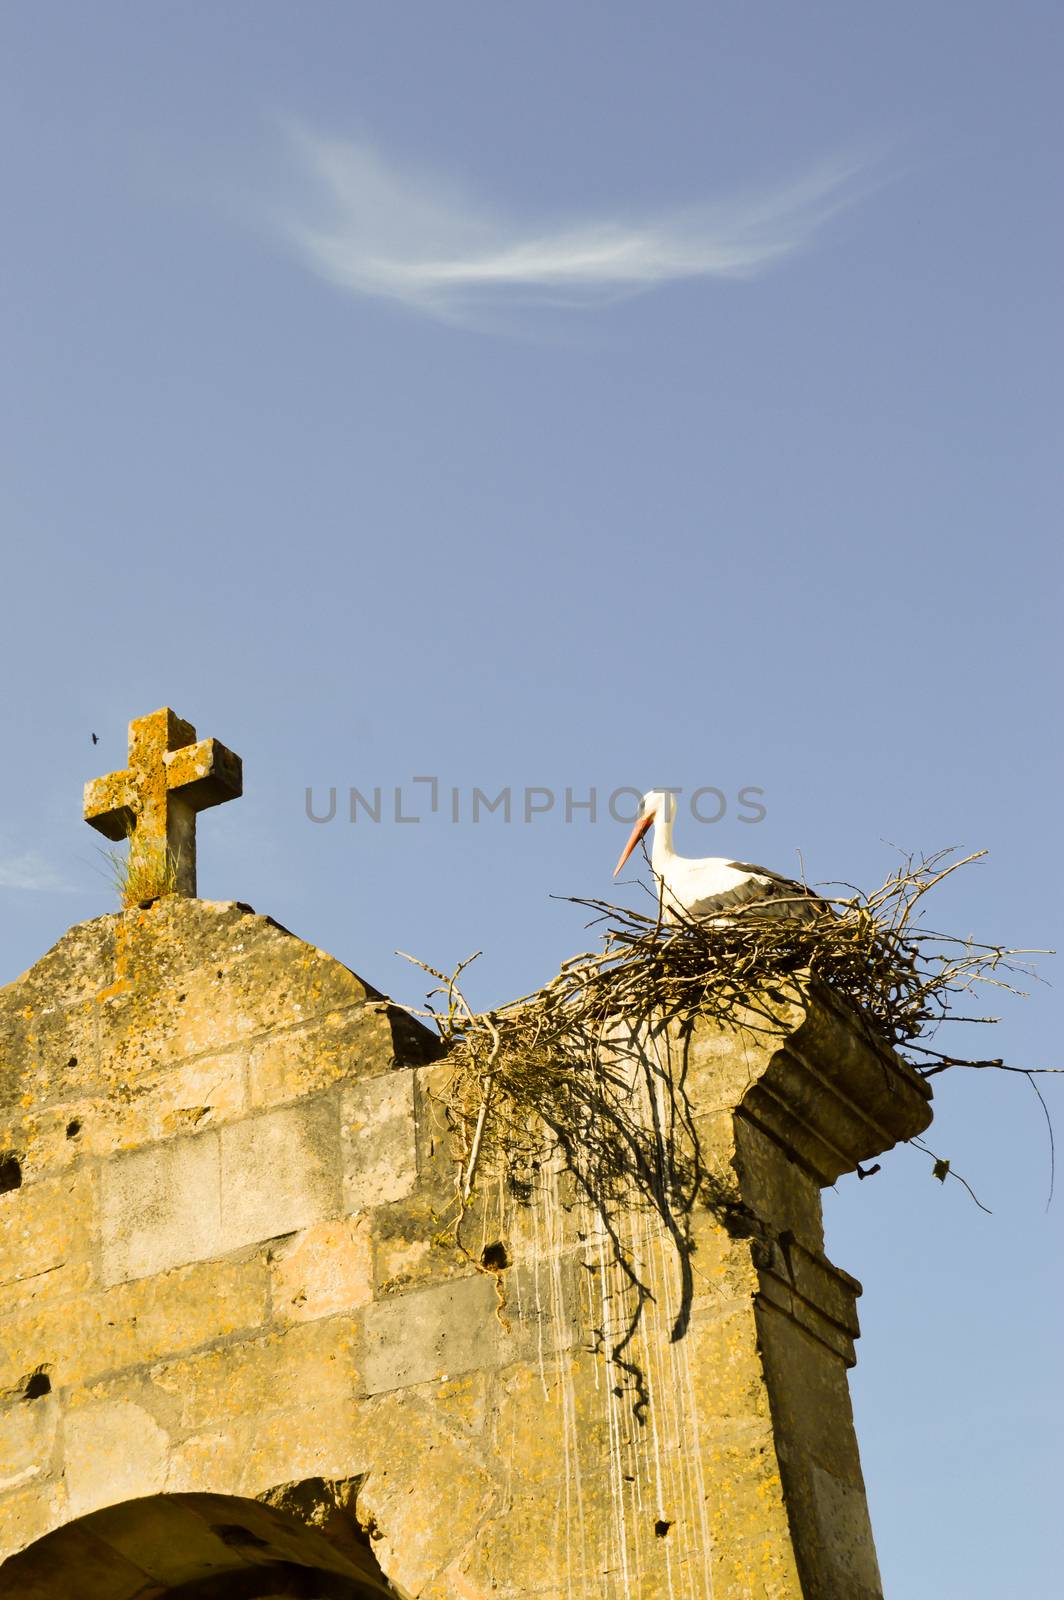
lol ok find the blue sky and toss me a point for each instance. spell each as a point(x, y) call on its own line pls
point(571, 397)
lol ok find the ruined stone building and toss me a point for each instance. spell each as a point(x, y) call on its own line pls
point(239, 1361)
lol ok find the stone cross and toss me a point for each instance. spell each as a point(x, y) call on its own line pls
point(154, 800)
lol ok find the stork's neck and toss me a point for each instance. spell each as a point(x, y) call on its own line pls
point(662, 852)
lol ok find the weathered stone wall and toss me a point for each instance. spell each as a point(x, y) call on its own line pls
point(222, 1273)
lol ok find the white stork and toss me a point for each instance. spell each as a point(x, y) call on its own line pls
point(714, 884)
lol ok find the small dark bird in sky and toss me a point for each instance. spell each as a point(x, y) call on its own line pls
point(95, 740)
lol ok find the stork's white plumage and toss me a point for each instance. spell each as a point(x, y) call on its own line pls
point(702, 888)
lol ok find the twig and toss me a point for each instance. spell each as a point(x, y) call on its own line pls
point(944, 1170)
point(1052, 1141)
point(482, 1117)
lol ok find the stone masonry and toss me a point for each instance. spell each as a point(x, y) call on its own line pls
point(226, 1300)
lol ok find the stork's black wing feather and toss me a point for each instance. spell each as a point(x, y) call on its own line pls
point(791, 885)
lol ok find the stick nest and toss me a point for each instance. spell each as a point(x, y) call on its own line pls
point(547, 1061)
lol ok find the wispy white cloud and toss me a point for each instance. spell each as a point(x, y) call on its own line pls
point(374, 228)
point(31, 870)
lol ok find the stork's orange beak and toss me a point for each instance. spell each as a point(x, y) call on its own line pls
point(637, 833)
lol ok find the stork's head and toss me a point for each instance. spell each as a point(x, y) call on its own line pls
point(656, 807)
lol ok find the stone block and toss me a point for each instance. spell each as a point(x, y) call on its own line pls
point(183, 1098)
point(746, 1517)
point(112, 1451)
point(811, 1396)
point(48, 1138)
point(591, 1535)
point(27, 1513)
point(67, 1282)
point(777, 1188)
point(279, 1171)
point(74, 969)
point(547, 1412)
point(192, 1198)
point(161, 1208)
point(50, 1047)
point(379, 1140)
point(27, 1440)
point(322, 1441)
point(426, 1493)
point(46, 1226)
point(311, 1365)
point(410, 1250)
point(323, 1270)
point(403, 1262)
point(214, 1460)
point(83, 1337)
point(846, 1533)
point(461, 1403)
point(360, 1041)
point(249, 992)
point(542, 1304)
point(430, 1334)
point(722, 1366)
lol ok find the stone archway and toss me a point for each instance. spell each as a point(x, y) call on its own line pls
point(206, 1547)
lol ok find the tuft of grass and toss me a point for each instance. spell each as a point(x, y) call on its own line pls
point(139, 873)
